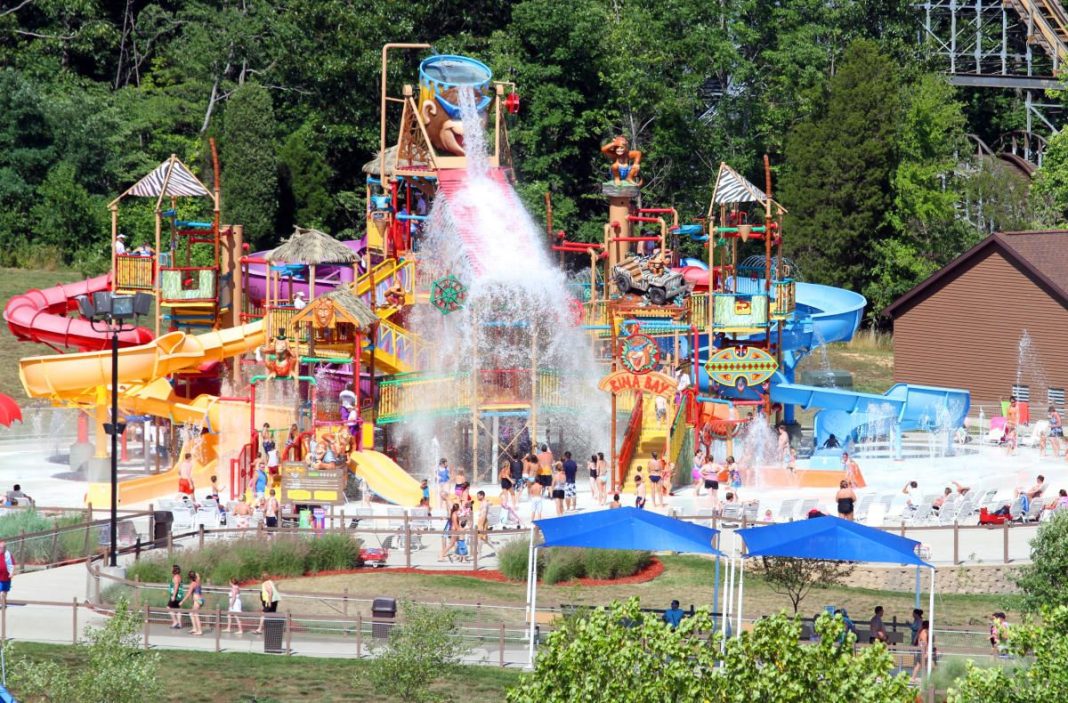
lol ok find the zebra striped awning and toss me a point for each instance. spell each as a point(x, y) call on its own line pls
point(172, 178)
point(732, 187)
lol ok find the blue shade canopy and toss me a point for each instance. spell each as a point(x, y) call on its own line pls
point(627, 528)
point(832, 539)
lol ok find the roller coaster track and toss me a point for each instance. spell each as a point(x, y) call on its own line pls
point(1047, 24)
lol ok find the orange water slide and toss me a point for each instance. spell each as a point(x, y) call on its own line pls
point(74, 378)
point(79, 379)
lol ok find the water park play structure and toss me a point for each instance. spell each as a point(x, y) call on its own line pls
point(421, 340)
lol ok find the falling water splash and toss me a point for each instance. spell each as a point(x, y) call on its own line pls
point(1029, 369)
point(517, 323)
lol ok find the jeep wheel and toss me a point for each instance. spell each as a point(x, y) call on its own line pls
point(657, 296)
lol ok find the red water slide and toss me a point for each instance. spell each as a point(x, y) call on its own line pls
point(41, 316)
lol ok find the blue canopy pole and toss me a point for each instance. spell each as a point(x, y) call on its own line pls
point(930, 626)
point(715, 589)
point(532, 577)
point(533, 607)
point(917, 606)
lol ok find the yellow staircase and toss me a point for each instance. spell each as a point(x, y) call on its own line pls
point(653, 438)
point(397, 350)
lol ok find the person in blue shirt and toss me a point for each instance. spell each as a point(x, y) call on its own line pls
point(260, 487)
point(673, 615)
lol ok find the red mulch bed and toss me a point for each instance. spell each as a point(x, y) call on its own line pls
point(650, 572)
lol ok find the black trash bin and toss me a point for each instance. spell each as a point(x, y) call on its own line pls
point(383, 614)
point(162, 521)
point(274, 630)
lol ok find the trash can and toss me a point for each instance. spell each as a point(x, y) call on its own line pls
point(162, 520)
point(319, 519)
point(274, 630)
point(383, 614)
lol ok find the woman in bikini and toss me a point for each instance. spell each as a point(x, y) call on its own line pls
point(602, 477)
point(559, 480)
point(195, 593)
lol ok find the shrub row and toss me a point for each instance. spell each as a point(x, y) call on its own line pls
point(46, 549)
point(247, 559)
point(560, 564)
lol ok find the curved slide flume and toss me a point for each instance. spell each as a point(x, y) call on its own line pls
point(385, 478)
point(40, 315)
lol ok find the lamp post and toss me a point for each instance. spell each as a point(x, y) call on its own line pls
point(114, 314)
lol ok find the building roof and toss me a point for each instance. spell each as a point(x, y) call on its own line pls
point(347, 306)
point(311, 247)
point(1042, 254)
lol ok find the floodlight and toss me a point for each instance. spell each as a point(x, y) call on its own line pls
point(102, 302)
point(85, 306)
point(142, 303)
point(122, 307)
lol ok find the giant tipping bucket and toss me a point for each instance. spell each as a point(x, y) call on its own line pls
point(441, 78)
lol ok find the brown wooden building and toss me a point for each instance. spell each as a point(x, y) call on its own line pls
point(964, 327)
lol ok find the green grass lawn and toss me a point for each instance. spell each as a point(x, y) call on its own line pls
point(207, 677)
point(687, 578)
point(13, 282)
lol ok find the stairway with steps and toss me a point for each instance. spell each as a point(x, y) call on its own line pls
point(653, 438)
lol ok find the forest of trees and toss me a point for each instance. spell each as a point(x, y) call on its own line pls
point(867, 140)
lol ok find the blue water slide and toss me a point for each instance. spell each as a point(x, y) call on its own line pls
point(904, 407)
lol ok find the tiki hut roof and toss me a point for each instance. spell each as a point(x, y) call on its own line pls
point(347, 308)
point(373, 166)
point(310, 246)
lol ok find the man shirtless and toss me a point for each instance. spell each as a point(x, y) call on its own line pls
point(185, 475)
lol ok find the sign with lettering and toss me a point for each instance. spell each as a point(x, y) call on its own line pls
point(654, 383)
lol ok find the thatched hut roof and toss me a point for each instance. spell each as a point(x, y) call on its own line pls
point(310, 246)
point(373, 166)
point(347, 307)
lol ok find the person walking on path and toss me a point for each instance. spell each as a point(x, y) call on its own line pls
point(175, 596)
point(196, 596)
point(451, 532)
point(233, 608)
point(268, 599)
point(7, 570)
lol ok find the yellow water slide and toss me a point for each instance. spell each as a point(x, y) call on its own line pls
point(388, 480)
point(76, 379)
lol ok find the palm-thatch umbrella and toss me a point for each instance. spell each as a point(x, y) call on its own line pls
point(358, 312)
point(311, 248)
point(373, 166)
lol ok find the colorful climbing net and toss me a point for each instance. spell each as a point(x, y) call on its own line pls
point(448, 294)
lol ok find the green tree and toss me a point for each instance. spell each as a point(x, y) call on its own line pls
point(837, 181)
point(304, 178)
point(424, 648)
point(621, 654)
point(795, 578)
point(1051, 181)
point(1044, 581)
point(1041, 676)
point(116, 670)
point(65, 214)
point(250, 171)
